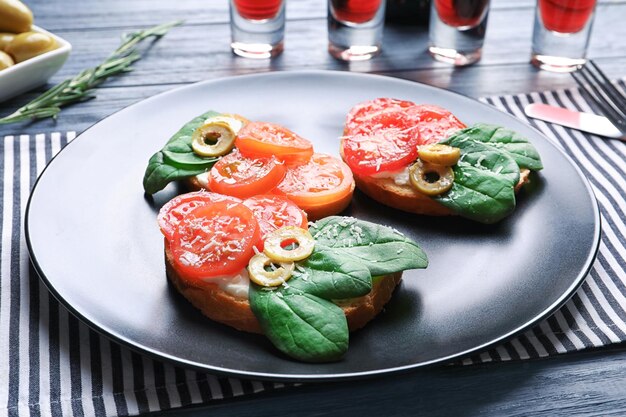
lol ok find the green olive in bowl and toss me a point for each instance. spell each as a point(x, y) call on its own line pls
point(5, 60)
point(5, 40)
point(15, 17)
point(30, 44)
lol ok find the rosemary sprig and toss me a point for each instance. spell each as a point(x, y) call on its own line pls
point(80, 87)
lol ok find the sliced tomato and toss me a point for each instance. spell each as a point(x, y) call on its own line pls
point(214, 240)
point(242, 177)
point(173, 212)
point(275, 211)
point(435, 123)
point(386, 142)
point(263, 140)
point(321, 187)
point(368, 111)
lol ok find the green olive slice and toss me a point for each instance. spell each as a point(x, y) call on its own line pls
point(234, 122)
point(213, 139)
point(439, 154)
point(289, 244)
point(263, 271)
point(431, 179)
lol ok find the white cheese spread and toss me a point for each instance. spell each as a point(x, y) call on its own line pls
point(400, 177)
point(203, 179)
point(236, 285)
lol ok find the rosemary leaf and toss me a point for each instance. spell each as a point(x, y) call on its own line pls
point(80, 87)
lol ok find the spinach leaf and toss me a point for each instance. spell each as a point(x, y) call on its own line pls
point(298, 317)
point(488, 171)
point(517, 146)
point(177, 160)
point(380, 249)
point(479, 194)
point(303, 326)
point(485, 157)
point(181, 154)
point(330, 276)
point(159, 173)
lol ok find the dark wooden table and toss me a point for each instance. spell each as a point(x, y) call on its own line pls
point(588, 383)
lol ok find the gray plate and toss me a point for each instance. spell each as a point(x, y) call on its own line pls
point(93, 237)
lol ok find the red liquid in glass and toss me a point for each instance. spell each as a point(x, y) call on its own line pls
point(566, 16)
point(459, 13)
point(258, 9)
point(355, 11)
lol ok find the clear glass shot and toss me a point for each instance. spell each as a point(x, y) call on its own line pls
point(561, 34)
point(257, 27)
point(457, 30)
point(355, 28)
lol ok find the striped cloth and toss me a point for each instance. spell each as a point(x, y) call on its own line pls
point(52, 364)
point(596, 315)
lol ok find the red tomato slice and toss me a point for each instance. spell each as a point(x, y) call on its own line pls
point(214, 240)
point(242, 177)
point(386, 142)
point(263, 140)
point(321, 187)
point(173, 212)
point(275, 211)
point(368, 111)
point(435, 123)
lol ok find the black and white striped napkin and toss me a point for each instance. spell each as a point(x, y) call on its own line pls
point(596, 315)
point(52, 364)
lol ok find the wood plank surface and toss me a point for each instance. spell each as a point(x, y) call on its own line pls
point(193, 53)
point(197, 52)
point(579, 384)
point(473, 83)
point(95, 14)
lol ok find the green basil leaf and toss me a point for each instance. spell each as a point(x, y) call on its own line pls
point(380, 249)
point(301, 325)
point(479, 194)
point(159, 174)
point(332, 277)
point(177, 160)
point(517, 146)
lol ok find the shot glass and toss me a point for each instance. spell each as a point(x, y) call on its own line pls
point(561, 34)
point(355, 28)
point(457, 30)
point(257, 27)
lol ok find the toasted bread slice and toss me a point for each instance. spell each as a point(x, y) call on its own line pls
point(193, 184)
point(406, 198)
point(220, 306)
point(401, 197)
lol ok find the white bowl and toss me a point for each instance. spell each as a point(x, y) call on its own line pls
point(35, 71)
